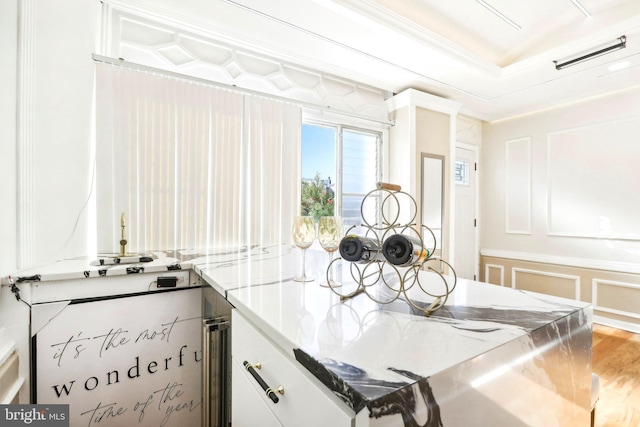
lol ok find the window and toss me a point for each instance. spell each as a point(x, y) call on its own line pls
point(340, 165)
point(461, 172)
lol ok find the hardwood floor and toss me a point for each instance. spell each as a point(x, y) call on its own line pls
point(616, 360)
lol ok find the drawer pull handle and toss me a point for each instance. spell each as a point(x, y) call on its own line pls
point(270, 392)
point(279, 390)
point(256, 365)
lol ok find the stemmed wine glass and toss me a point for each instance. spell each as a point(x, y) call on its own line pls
point(329, 236)
point(304, 233)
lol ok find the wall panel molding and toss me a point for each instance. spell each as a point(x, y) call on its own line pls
point(575, 279)
point(614, 294)
point(586, 195)
point(595, 291)
point(518, 186)
point(487, 273)
point(622, 267)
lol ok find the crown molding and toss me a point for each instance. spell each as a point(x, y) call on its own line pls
point(416, 98)
point(392, 20)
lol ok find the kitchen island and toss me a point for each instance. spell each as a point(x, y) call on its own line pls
point(492, 356)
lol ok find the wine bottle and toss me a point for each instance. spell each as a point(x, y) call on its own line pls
point(403, 250)
point(360, 249)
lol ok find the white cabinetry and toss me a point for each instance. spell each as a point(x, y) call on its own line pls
point(249, 408)
point(305, 401)
point(10, 379)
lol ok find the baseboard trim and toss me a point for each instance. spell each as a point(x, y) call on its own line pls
point(618, 324)
point(594, 264)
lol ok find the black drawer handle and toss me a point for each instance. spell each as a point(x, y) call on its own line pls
point(271, 392)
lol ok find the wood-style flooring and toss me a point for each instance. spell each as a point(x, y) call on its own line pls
point(616, 360)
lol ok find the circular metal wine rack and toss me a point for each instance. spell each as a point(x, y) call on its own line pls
point(379, 279)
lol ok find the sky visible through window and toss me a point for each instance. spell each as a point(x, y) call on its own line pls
point(359, 156)
point(318, 152)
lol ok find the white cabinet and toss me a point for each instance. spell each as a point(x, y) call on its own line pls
point(249, 409)
point(305, 401)
point(10, 379)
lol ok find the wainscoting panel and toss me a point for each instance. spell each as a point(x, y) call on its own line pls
point(617, 298)
point(518, 186)
point(560, 285)
point(584, 198)
point(613, 289)
point(494, 274)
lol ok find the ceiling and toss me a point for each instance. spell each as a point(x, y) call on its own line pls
point(459, 50)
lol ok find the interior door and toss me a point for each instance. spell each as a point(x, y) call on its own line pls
point(466, 249)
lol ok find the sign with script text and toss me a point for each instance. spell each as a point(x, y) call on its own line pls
point(126, 361)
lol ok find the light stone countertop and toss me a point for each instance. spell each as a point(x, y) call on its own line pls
point(384, 358)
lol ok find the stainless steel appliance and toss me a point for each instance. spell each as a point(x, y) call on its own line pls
point(216, 359)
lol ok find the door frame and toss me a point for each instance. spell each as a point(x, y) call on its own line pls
point(476, 247)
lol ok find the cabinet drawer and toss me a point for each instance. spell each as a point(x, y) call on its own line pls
point(249, 409)
point(303, 403)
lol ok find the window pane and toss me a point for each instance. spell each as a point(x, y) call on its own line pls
point(462, 172)
point(351, 211)
point(339, 167)
point(359, 162)
point(318, 152)
point(318, 170)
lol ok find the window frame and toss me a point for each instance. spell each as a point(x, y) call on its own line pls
point(340, 124)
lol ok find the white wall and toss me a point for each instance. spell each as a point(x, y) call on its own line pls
point(535, 172)
point(48, 151)
point(52, 140)
point(8, 47)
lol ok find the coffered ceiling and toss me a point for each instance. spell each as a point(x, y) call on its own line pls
point(462, 50)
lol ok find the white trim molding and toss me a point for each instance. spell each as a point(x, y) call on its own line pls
point(594, 297)
point(626, 326)
point(593, 264)
point(497, 267)
point(576, 279)
point(166, 43)
point(518, 183)
point(416, 98)
point(597, 208)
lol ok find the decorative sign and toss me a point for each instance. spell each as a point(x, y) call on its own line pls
point(127, 361)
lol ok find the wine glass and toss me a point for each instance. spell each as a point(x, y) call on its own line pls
point(304, 233)
point(329, 236)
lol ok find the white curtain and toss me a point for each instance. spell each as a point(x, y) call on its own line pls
point(191, 165)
